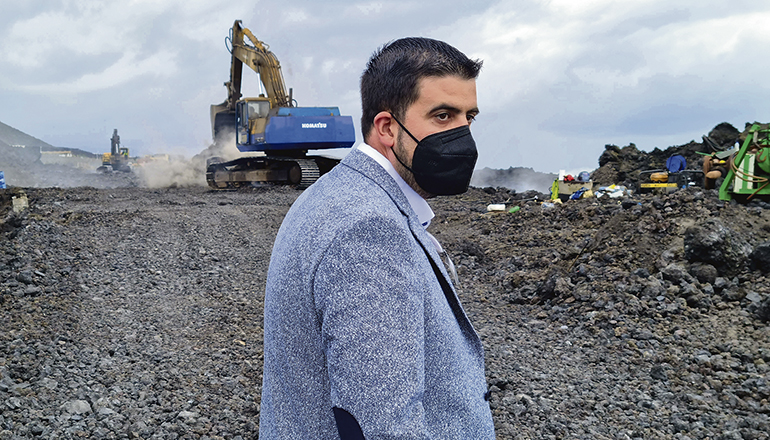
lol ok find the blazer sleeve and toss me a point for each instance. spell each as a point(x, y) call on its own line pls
point(369, 295)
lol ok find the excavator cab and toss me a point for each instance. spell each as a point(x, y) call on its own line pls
point(251, 119)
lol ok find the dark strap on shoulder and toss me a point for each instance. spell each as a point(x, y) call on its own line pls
point(347, 425)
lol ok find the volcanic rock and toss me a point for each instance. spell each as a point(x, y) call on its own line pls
point(713, 243)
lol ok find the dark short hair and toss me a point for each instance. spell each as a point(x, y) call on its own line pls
point(389, 82)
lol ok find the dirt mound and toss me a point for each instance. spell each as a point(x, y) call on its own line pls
point(623, 165)
point(725, 135)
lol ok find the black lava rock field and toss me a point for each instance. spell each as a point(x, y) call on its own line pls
point(135, 313)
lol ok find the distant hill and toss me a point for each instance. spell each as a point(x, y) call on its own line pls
point(17, 147)
point(11, 137)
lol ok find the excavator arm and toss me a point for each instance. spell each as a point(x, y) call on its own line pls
point(264, 62)
point(261, 60)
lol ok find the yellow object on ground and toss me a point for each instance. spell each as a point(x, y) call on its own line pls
point(555, 190)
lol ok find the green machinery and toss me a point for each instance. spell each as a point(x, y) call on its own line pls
point(746, 172)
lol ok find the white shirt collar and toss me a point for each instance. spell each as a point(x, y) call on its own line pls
point(418, 204)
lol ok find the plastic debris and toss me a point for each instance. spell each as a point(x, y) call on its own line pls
point(2, 180)
point(612, 191)
point(578, 194)
point(676, 163)
point(514, 209)
point(496, 207)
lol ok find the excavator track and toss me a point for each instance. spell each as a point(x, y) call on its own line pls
point(301, 172)
point(240, 172)
point(310, 172)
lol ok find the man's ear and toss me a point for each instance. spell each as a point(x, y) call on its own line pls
point(383, 129)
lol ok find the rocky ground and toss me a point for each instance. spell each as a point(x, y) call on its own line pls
point(136, 313)
point(615, 319)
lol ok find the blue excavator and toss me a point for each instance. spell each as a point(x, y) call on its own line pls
point(271, 125)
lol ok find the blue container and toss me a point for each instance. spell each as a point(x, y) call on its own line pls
point(2, 180)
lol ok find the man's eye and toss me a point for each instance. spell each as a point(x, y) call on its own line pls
point(442, 116)
point(471, 118)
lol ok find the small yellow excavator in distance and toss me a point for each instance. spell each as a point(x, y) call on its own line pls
point(117, 158)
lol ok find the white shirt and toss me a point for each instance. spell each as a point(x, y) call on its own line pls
point(418, 204)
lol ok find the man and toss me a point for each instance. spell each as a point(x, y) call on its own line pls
point(364, 334)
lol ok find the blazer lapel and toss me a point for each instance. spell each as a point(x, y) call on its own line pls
point(446, 285)
point(371, 169)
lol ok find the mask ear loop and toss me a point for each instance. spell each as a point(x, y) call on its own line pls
point(410, 135)
point(402, 126)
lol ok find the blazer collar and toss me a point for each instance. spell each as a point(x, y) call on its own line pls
point(367, 166)
point(418, 204)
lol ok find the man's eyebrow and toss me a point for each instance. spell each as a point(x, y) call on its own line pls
point(452, 109)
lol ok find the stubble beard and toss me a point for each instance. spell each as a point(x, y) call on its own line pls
point(405, 174)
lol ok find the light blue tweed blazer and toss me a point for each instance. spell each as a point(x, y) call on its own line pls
point(355, 318)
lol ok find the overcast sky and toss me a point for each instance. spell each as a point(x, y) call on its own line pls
point(561, 78)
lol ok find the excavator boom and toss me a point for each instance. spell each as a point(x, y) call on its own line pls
point(258, 57)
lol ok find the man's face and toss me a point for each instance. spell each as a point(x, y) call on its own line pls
point(444, 103)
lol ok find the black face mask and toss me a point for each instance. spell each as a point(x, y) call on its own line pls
point(443, 162)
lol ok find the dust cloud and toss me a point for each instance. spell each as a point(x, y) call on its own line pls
point(176, 171)
point(29, 168)
point(517, 179)
point(68, 171)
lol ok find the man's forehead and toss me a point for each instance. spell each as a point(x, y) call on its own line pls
point(454, 90)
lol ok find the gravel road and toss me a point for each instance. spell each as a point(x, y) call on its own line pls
point(136, 313)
